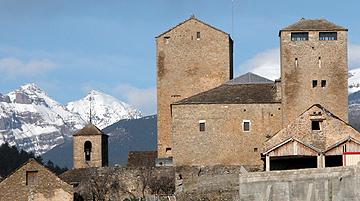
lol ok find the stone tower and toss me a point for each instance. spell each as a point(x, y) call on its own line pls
point(90, 148)
point(192, 57)
point(314, 68)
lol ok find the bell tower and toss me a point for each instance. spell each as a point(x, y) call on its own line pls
point(90, 147)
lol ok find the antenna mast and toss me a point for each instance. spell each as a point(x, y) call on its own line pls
point(232, 18)
point(90, 115)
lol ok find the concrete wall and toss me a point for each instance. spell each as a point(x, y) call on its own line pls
point(328, 184)
point(223, 141)
point(297, 91)
point(187, 66)
point(47, 188)
point(99, 153)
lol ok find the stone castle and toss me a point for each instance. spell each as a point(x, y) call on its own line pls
point(205, 117)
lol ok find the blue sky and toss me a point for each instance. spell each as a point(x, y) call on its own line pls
point(70, 47)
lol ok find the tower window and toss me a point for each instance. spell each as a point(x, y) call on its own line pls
point(296, 62)
point(299, 36)
point(167, 39)
point(323, 83)
point(31, 178)
point(246, 125)
point(314, 83)
point(198, 35)
point(87, 150)
point(315, 125)
point(328, 36)
point(202, 125)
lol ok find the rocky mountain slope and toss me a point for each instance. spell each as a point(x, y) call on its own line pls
point(34, 122)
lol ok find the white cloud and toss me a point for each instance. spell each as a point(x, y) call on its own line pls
point(144, 99)
point(12, 67)
point(266, 64)
point(354, 56)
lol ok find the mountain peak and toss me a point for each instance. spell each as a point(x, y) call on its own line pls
point(31, 87)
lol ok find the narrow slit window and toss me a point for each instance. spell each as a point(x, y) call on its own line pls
point(296, 62)
point(314, 83)
point(328, 36)
point(198, 35)
point(246, 125)
point(299, 36)
point(319, 62)
point(201, 125)
point(323, 83)
point(315, 125)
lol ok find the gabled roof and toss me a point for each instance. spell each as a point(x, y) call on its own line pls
point(192, 18)
point(289, 140)
point(334, 130)
point(313, 25)
point(89, 129)
point(249, 78)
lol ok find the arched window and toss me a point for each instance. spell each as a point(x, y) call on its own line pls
point(87, 150)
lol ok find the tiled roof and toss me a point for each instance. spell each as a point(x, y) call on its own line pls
point(249, 78)
point(313, 25)
point(89, 129)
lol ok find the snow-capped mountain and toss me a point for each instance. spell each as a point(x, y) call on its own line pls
point(33, 121)
point(354, 80)
point(105, 109)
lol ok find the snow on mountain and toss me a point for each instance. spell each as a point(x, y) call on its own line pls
point(354, 80)
point(33, 121)
point(105, 109)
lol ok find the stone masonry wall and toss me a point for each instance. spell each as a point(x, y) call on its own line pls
point(223, 141)
point(96, 153)
point(48, 186)
point(316, 60)
point(187, 65)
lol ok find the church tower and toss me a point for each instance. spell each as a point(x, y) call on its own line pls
point(90, 148)
point(192, 57)
point(314, 68)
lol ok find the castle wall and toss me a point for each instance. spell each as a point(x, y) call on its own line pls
point(223, 141)
point(186, 66)
point(316, 60)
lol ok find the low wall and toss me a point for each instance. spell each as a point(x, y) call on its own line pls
point(328, 184)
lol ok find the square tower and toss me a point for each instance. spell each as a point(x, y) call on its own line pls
point(90, 147)
point(192, 57)
point(314, 68)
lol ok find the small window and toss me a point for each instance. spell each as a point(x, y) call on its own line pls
point(198, 35)
point(246, 125)
point(328, 36)
point(323, 83)
point(296, 62)
point(167, 39)
point(202, 125)
point(314, 83)
point(299, 36)
point(315, 125)
point(31, 178)
point(255, 149)
point(87, 150)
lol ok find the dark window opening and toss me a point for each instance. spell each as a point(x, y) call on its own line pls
point(198, 35)
point(299, 36)
point(255, 149)
point(315, 125)
point(328, 36)
point(87, 150)
point(246, 126)
point(333, 161)
point(167, 149)
point(314, 83)
point(31, 178)
point(323, 83)
point(293, 162)
point(202, 126)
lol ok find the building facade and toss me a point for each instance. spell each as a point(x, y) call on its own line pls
point(192, 57)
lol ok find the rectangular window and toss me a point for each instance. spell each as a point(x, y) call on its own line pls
point(31, 178)
point(246, 125)
point(198, 35)
point(202, 125)
point(328, 36)
point(314, 83)
point(323, 83)
point(167, 39)
point(299, 36)
point(315, 125)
